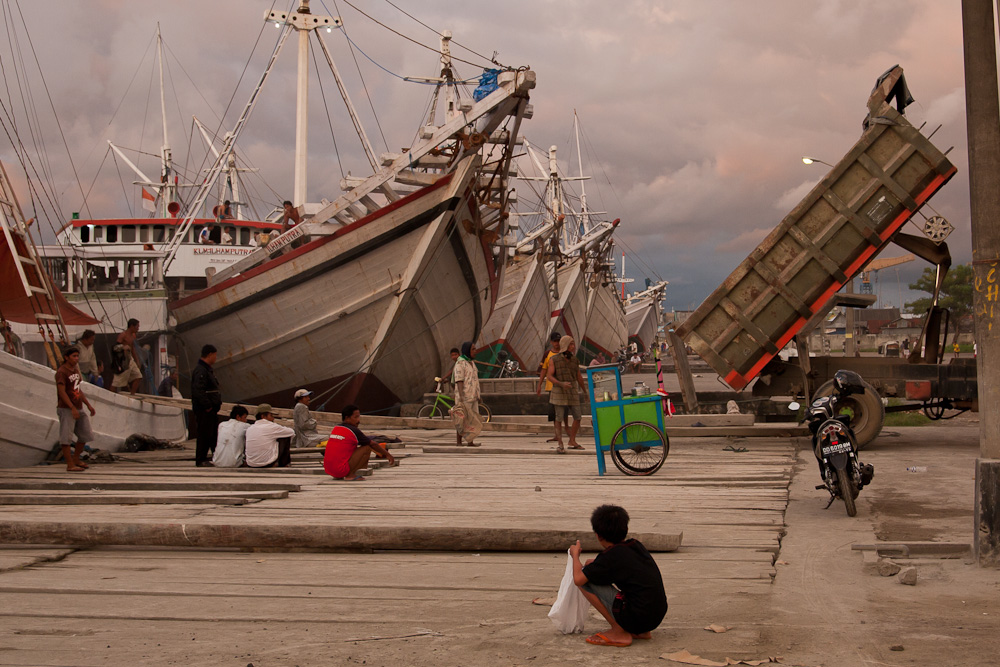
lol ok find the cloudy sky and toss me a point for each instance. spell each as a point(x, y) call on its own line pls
point(695, 114)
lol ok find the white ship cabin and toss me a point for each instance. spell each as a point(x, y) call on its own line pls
point(134, 243)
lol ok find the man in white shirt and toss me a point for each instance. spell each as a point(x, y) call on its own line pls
point(231, 442)
point(268, 444)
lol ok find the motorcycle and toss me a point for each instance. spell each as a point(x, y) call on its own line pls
point(833, 441)
point(621, 358)
point(508, 367)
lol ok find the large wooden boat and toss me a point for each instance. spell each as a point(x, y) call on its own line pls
point(363, 299)
point(643, 311)
point(28, 401)
point(518, 329)
point(365, 314)
point(31, 428)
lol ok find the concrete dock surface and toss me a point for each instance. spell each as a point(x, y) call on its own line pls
point(759, 555)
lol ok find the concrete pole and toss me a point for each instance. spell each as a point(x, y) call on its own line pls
point(983, 118)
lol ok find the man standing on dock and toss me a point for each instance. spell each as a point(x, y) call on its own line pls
point(564, 374)
point(466, 410)
point(206, 399)
point(73, 421)
point(543, 373)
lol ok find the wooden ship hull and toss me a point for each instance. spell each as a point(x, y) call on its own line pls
point(643, 319)
point(592, 314)
point(365, 315)
point(31, 426)
point(519, 324)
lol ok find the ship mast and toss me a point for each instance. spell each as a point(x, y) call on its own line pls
point(302, 110)
point(168, 190)
point(584, 213)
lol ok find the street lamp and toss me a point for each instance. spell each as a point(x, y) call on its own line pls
point(810, 160)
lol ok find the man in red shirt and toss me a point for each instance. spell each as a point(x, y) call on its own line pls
point(348, 449)
point(73, 421)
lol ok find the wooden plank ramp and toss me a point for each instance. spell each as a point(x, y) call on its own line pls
point(436, 607)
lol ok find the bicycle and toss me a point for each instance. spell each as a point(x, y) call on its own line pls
point(443, 403)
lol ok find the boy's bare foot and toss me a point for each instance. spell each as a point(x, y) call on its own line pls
point(609, 638)
point(74, 469)
point(81, 464)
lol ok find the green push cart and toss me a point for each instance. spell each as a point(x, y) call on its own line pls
point(629, 427)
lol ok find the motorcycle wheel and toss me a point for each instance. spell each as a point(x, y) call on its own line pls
point(869, 413)
point(847, 493)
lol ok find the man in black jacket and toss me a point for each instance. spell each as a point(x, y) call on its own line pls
point(206, 399)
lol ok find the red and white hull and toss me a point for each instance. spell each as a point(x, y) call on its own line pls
point(592, 315)
point(365, 315)
point(519, 324)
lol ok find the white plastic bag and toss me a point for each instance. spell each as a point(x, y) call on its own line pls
point(570, 609)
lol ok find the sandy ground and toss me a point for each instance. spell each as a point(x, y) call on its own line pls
point(781, 574)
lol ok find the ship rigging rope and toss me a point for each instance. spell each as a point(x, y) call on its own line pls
point(589, 147)
point(400, 76)
point(427, 275)
point(232, 97)
point(410, 39)
point(357, 66)
point(48, 94)
point(25, 94)
point(439, 34)
point(28, 167)
point(326, 108)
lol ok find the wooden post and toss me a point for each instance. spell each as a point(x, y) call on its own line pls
point(683, 370)
point(983, 116)
point(805, 363)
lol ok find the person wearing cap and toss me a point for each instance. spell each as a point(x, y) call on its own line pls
point(543, 372)
point(206, 399)
point(564, 374)
point(304, 425)
point(348, 449)
point(268, 444)
point(73, 420)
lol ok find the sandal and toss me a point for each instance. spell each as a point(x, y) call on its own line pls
point(574, 446)
point(560, 450)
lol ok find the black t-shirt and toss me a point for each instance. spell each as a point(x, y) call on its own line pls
point(642, 603)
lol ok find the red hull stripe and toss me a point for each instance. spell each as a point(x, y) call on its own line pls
point(287, 257)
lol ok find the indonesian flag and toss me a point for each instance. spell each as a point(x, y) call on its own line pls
point(148, 201)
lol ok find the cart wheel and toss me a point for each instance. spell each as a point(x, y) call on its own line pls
point(484, 413)
point(639, 448)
